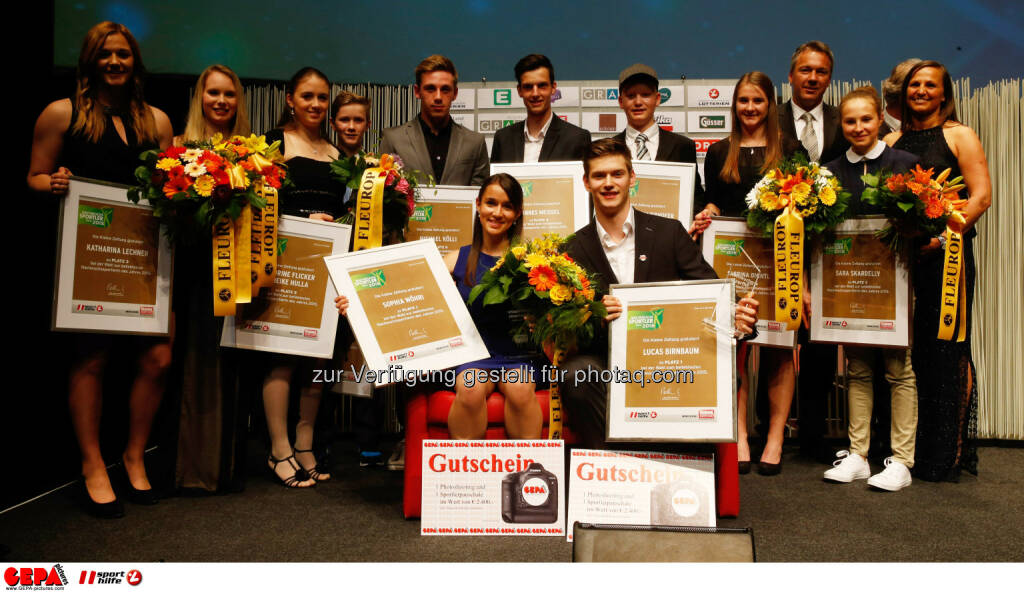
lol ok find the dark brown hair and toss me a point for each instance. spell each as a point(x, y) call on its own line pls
point(818, 46)
point(293, 83)
point(947, 110)
point(607, 147)
point(868, 93)
point(436, 63)
point(514, 191)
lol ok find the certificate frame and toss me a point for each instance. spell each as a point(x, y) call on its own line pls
point(284, 338)
point(770, 333)
point(686, 172)
point(447, 194)
point(652, 423)
point(890, 332)
point(428, 356)
point(525, 171)
point(95, 315)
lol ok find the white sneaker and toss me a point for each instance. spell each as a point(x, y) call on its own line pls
point(895, 477)
point(850, 466)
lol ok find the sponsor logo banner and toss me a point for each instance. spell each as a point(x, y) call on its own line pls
point(711, 96)
point(488, 123)
point(466, 120)
point(703, 144)
point(466, 101)
point(709, 121)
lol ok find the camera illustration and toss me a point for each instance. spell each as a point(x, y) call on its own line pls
point(680, 503)
point(530, 496)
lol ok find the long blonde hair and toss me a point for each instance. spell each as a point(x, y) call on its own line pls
point(195, 125)
point(773, 144)
point(90, 120)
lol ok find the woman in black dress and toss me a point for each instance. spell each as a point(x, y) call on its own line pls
point(946, 379)
point(732, 167)
point(99, 133)
point(302, 131)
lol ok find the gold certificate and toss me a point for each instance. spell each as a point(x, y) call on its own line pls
point(444, 214)
point(113, 263)
point(405, 311)
point(554, 198)
point(672, 363)
point(296, 315)
point(860, 287)
point(664, 189)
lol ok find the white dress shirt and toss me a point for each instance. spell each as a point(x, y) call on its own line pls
point(819, 125)
point(532, 146)
point(621, 255)
point(893, 123)
point(652, 140)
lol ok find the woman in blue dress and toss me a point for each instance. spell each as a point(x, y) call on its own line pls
point(499, 221)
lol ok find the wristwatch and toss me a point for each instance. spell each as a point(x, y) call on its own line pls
point(942, 241)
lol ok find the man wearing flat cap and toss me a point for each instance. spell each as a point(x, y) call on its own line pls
point(638, 98)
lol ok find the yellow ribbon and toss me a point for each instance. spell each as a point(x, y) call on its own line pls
point(255, 249)
point(954, 301)
point(224, 293)
point(243, 257)
point(268, 253)
point(555, 400)
point(788, 237)
point(369, 210)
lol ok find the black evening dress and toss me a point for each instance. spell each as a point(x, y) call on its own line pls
point(946, 378)
point(730, 197)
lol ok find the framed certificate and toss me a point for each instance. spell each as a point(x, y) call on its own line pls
point(444, 214)
point(672, 363)
point(745, 256)
point(554, 199)
point(113, 263)
point(859, 288)
point(297, 314)
point(405, 310)
point(664, 189)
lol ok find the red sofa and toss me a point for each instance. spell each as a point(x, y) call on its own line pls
point(426, 417)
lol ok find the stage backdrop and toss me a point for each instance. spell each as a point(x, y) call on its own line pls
point(361, 41)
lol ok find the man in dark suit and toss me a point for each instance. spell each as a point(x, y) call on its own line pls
point(543, 137)
point(810, 72)
point(624, 245)
point(432, 144)
point(815, 129)
point(639, 98)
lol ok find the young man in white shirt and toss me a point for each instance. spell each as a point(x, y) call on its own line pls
point(624, 245)
point(543, 136)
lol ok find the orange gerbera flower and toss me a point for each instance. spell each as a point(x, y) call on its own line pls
point(542, 278)
point(934, 209)
point(177, 185)
point(897, 183)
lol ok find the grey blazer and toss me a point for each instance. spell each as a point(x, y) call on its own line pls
point(467, 162)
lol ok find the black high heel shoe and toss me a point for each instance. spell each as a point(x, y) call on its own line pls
point(106, 511)
point(142, 497)
point(319, 472)
point(297, 477)
point(769, 469)
point(744, 466)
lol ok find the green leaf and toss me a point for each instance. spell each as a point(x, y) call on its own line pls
point(494, 296)
point(906, 207)
point(870, 180)
point(475, 292)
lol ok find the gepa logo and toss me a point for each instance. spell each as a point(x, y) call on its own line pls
point(37, 577)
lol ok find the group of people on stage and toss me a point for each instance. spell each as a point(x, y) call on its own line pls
point(100, 131)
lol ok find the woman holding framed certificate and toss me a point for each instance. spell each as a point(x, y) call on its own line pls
point(732, 167)
point(498, 222)
point(315, 194)
point(946, 379)
point(861, 116)
point(99, 133)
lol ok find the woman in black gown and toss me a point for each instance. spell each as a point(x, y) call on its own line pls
point(732, 167)
point(946, 379)
point(209, 441)
point(317, 195)
point(99, 133)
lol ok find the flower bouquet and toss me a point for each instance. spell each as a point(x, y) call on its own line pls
point(807, 188)
point(555, 293)
point(795, 197)
point(539, 278)
point(916, 202)
point(191, 188)
point(370, 176)
point(224, 191)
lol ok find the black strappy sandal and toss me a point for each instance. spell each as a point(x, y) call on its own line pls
point(319, 472)
point(293, 481)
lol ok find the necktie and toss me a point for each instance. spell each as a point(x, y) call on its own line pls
point(641, 147)
point(808, 138)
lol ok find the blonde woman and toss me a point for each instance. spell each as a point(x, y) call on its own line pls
point(217, 107)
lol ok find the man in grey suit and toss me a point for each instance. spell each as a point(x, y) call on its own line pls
point(432, 144)
point(810, 72)
point(543, 137)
